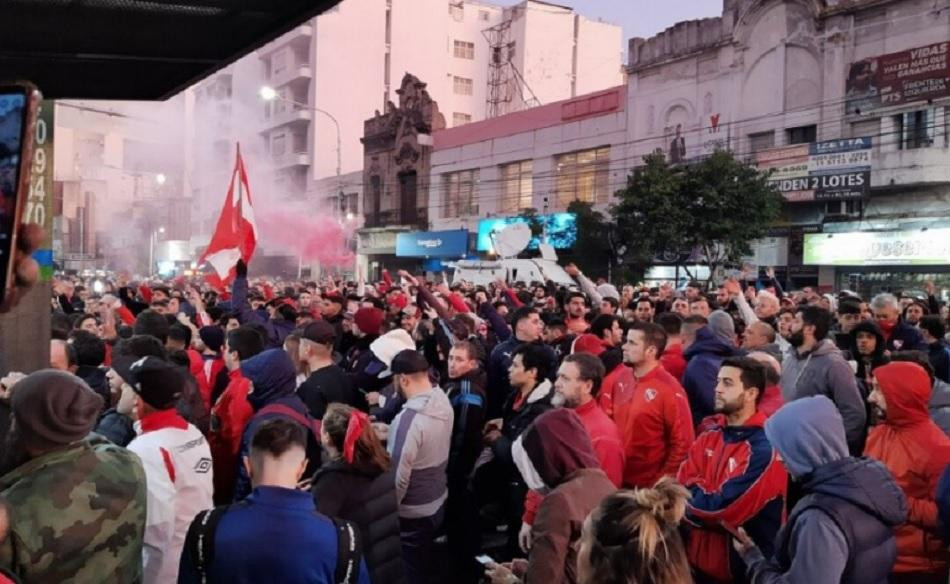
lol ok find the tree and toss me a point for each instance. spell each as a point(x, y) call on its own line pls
point(717, 206)
point(592, 250)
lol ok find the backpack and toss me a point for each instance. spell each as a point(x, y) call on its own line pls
point(200, 544)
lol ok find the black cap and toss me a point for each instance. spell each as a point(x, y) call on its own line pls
point(157, 382)
point(409, 361)
point(123, 366)
point(319, 331)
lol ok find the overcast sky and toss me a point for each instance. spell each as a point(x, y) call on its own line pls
point(639, 18)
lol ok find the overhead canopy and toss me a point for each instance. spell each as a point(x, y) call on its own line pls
point(134, 49)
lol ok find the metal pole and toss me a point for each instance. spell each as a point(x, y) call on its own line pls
point(151, 253)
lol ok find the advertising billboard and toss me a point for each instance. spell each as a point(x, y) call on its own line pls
point(868, 248)
point(561, 230)
point(915, 75)
point(832, 170)
point(433, 244)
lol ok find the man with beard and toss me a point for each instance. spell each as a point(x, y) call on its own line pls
point(816, 367)
point(576, 308)
point(419, 443)
point(733, 475)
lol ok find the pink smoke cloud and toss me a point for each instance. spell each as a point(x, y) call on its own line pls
point(318, 238)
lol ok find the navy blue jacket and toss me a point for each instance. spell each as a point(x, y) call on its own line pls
point(499, 387)
point(703, 359)
point(276, 535)
point(906, 337)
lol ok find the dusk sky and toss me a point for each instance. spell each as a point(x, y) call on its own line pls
point(639, 18)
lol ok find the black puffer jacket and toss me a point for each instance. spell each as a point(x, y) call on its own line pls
point(368, 500)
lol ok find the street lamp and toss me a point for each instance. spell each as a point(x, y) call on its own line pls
point(160, 179)
point(151, 249)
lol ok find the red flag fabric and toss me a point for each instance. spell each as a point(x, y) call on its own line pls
point(235, 235)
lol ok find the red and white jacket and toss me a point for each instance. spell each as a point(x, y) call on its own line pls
point(178, 475)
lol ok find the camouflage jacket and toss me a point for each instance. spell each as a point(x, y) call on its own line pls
point(78, 516)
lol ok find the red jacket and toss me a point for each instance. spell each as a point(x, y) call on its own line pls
point(673, 361)
point(620, 375)
point(228, 418)
point(916, 452)
point(604, 437)
point(656, 426)
point(734, 476)
point(771, 400)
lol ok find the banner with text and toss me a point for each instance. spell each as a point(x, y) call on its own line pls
point(832, 170)
point(915, 75)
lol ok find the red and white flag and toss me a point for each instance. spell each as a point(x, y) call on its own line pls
point(235, 236)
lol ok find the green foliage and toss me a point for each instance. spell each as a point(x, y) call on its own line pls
point(718, 205)
point(534, 221)
point(592, 251)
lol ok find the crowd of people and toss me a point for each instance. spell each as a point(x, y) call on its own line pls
point(413, 431)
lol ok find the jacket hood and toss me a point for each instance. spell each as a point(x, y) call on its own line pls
point(707, 342)
point(824, 348)
point(906, 389)
point(864, 482)
point(387, 346)
point(722, 326)
point(867, 326)
point(433, 404)
point(808, 433)
point(557, 445)
point(273, 375)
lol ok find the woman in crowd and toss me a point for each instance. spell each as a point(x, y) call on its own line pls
point(358, 485)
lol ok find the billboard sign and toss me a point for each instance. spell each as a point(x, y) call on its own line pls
point(915, 75)
point(869, 248)
point(432, 244)
point(832, 170)
point(560, 228)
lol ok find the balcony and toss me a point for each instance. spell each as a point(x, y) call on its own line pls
point(297, 71)
point(918, 166)
point(415, 218)
point(290, 159)
point(299, 36)
point(290, 115)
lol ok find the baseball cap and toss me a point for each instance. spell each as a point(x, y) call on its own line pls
point(409, 361)
point(319, 331)
point(157, 382)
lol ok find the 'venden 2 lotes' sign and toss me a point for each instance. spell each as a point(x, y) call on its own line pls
point(832, 170)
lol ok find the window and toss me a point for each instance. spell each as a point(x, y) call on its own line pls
point(278, 62)
point(459, 119)
point(464, 50)
point(512, 50)
point(851, 208)
point(389, 27)
point(914, 129)
point(761, 141)
point(483, 15)
point(350, 203)
point(457, 11)
point(278, 145)
point(582, 176)
point(462, 85)
point(460, 193)
point(517, 188)
point(802, 134)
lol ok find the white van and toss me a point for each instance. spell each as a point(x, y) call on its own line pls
point(485, 272)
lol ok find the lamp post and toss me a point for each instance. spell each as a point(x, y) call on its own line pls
point(270, 94)
point(151, 249)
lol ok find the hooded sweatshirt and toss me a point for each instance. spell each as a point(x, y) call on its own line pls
point(916, 452)
point(823, 371)
point(273, 395)
point(866, 364)
point(703, 359)
point(419, 441)
point(556, 458)
point(842, 528)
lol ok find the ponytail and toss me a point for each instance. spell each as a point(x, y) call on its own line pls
point(633, 537)
point(353, 436)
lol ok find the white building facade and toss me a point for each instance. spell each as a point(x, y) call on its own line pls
point(847, 101)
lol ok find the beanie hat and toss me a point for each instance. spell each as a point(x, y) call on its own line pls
point(589, 344)
point(369, 320)
point(157, 382)
point(53, 408)
point(212, 337)
point(608, 291)
point(722, 327)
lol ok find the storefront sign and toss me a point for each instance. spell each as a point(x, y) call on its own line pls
point(429, 244)
point(915, 75)
point(39, 202)
point(868, 248)
point(832, 170)
point(560, 230)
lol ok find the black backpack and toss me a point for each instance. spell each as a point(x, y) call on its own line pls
point(200, 544)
